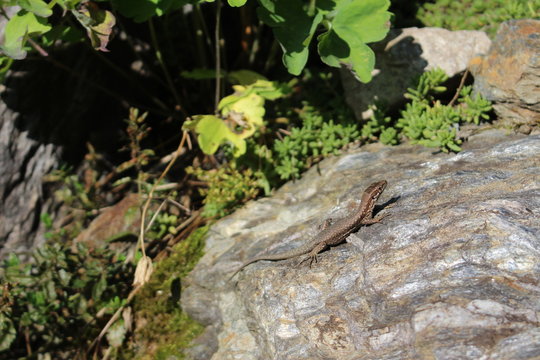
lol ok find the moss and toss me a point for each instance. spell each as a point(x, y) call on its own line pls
point(167, 330)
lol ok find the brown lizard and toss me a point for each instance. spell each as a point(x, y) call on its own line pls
point(334, 234)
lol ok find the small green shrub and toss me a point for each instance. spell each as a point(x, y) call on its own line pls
point(425, 119)
point(57, 304)
point(428, 122)
point(316, 138)
point(167, 328)
point(379, 127)
point(476, 14)
point(227, 188)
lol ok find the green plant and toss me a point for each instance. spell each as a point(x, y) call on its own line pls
point(58, 304)
point(428, 122)
point(473, 109)
point(317, 137)
point(73, 192)
point(349, 25)
point(241, 115)
point(163, 225)
point(476, 14)
point(167, 328)
point(32, 21)
point(379, 126)
point(227, 188)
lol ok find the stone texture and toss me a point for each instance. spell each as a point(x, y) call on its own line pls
point(121, 220)
point(23, 163)
point(46, 117)
point(452, 273)
point(509, 75)
point(404, 55)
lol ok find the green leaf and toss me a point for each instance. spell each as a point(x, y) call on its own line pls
point(293, 28)
point(212, 132)
point(8, 333)
point(236, 3)
point(38, 7)
point(98, 24)
point(244, 77)
point(356, 23)
point(366, 20)
point(201, 74)
point(18, 28)
point(67, 34)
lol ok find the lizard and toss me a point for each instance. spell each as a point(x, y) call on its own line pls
point(334, 234)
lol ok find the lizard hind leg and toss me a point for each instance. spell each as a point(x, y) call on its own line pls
point(312, 256)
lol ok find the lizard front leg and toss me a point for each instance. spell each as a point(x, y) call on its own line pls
point(326, 224)
point(373, 220)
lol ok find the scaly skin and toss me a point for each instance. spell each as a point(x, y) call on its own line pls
point(334, 234)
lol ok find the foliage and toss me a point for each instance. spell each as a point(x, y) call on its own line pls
point(167, 327)
point(379, 127)
point(349, 25)
point(87, 191)
point(63, 293)
point(164, 224)
point(318, 136)
point(241, 115)
point(428, 122)
point(32, 20)
point(425, 119)
point(476, 14)
point(73, 192)
point(227, 188)
point(137, 130)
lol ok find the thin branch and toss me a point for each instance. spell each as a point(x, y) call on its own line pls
point(463, 78)
point(151, 193)
point(115, 316)
point(218, 55)
point(151, 222)
point(159, 57)
point(38, 48)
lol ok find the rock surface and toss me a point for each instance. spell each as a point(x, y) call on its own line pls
point(509, 75)
point(121, 220)
point(452, 273)
point(403, 56)
point(46, 117)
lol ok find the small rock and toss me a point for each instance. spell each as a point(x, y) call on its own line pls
point(509, 75)
point(404, 55)
point(118, 220)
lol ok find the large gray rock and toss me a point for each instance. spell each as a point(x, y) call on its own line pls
point(509, 75)
point(403, 56)
point(46, 117)
point(23, 163)
point(451, 273)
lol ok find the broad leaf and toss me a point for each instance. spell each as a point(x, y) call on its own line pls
point(293, 28)
point(38, 7)
point(356, 23)
point(20, 26)
point(213, 132)
point(236, 3)
point(98, 24)
point(244, 77)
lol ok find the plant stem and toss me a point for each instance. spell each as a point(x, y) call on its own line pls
point(164, 68)
point(218, 55)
